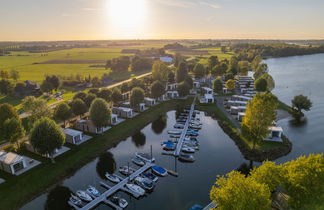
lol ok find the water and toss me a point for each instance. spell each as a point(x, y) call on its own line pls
point(217, 155)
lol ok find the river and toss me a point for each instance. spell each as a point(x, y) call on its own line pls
point(217, 155)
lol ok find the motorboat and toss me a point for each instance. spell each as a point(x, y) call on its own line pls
point(194, 126)
point(138, 161)
point(135, 188)
point(159, 170)
point(145, 156)
point(174, 132)
point(91, 190)
point(191, 146)
point(178, 126)
point(188, 149)
point(169, 147)
point(83, 195)
point(145, 183)
point(75, 200)
point(174, 136)
point(121, 202)
point(186, 158)
point(150, 176)
point(112, 177)
point(126, 170)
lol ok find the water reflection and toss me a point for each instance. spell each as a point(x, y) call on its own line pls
point(159, 125)
point(58, 198)
point(106, 163)
point(139, 139)
point(245, 168)
point(298, 122)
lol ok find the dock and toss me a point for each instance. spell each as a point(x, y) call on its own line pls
point(211, 205)
point(112, 189)
point(184, 131)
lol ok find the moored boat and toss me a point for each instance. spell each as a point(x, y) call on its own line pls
point(159, 170)
point(138, 161)
point(145, 183)
point(186, 158)
point(187, 149)
point(126, 170)
point(135, 188)
point(91, 190)
point(144, 156)
point(75, 200)
point(150, 176)
point(121, 202)
point(112, 177)
point(174, 132)
point(83, 195)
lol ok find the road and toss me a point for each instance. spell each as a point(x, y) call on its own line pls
point(54, 104)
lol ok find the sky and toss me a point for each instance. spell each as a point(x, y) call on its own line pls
point(41, 20)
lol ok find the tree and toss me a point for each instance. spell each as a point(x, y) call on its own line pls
point(157, 89)
point(183, 89)
point(136, 96)
point(160, 71)
point(105, 93)
point(303, 179)
point(100, 113)
point(46, 86)
point(256, 62)
point(270, 81)
point(223, 49)
point(116, 96)
point(212, 61)
point(124, 87)
point(79, 107)
point(199, 70)
point(14, 74)
point(63, 112)
point(6, 87)
point(95, 81)
point(218, 84)
point(260, 70)
point(80, 95)
point(268, 173)
point(4, 75)
point(119, 64)
point(189, 81)
point(171, 77)
point(259, 115)
point(7, 111)
point(243, 67)
point(94, 91)
point(141, 63)
point(88, 100)
point(181, 72)
point(37, 108)
point(230, 84)
point(299, 103)
point(235, 192)
point(54, 80)
point(46, 136)
point(261, 85)
point(13, 130)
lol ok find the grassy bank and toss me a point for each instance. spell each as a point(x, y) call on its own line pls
point(18, 190)
point(264, 150)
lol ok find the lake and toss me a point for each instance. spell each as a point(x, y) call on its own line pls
point(217, 155)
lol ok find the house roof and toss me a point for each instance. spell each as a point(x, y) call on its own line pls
point(209, 96)
point(275, 128)
point(71, 132)
point(10, 158)
point(149, 99)
point(125, 109)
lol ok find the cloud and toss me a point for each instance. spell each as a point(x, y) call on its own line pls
point(189, 4)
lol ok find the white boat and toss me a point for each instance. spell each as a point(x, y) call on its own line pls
point(91, 190)
point(121, 202)
point(83, 195)
point(126, 170)
point(135, 188)
point(187, 149)
point(159, 170)
point(112, 177)
point(186, 158)
point(144, 156)
point(174, 132)
point(138, 161)
point(75, 200)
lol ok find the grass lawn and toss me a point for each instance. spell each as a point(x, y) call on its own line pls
point(216, 51)
point(18, 190)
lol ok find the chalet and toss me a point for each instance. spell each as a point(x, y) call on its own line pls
point(171, 86)
point(207, 90)
point(162, 98)
point(240, 98)
point(26, 89)
point(113, 119)
point(235, 103)
point(140, 107)
point(74, 136)
point(125, 96)
point(149, 101)
point(196, 84)
point(225, 90)
point(126, 104)
point(275, 132)
point(123, 112)
point(207, 99)
point(172, 94)
point(56, 152)
point(88, 126)
point(240, 116)
point(11, 162)
point(234, 110)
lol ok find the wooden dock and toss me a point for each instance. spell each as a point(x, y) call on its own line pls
point(115, 188)
point(184, 131)
point(211, 205)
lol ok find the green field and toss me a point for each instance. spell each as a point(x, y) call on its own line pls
point(215, 51)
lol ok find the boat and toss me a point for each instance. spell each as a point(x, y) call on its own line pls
point(135, 188)
point(150, 176)
point(112, 177)
point(138, 161)
point(91, 190)
point(179, 126)
point(174, 136)
point(121, 202)
point(145, 183)
point(75, 200)
point(186, 158)
point(174, 132)
point(159, 170)
point(187, 149)
point(194, 126)
point(126, 170)
point(144, 156)
point(169, 147)
point(83, 195)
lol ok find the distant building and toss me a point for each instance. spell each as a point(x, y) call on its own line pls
point(207, 99)
point(27, 88)
point(88, 126)
point(166, 59)
point(149, 101)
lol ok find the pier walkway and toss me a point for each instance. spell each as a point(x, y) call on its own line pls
point(120, 186)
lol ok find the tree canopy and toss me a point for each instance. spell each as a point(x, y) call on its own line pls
point(301, 102)
point(199, 71)
point(38, 108)
point(79, 107)
point(100, 113)
point(261, 84)
point(136, 96)
point(7, 111)
point(230, 84)
point(63, 112)
point(157, 89)
point(116, 96)
point(13, 130)
point(160, 71)
point(183, 89)
point(181, 72)
point(218, 84)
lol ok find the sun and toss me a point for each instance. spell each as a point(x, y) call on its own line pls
point(127, 17)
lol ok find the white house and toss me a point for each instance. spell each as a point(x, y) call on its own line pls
point(88, 126)
point(125, 95)
point(240, 98)
point(123, 112)
point(11, 162)
point(140, 107)
point(113, 119)
point(275, 132)
point(196, 84)
point(207, 98)
point(149, 101)
point(172, 94)
point(207, 90)
point(240, 116)
point(171, 86)
point(235, 103)
point(75, 137)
